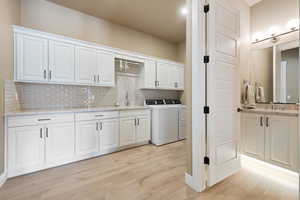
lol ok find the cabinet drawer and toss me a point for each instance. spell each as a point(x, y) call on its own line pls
point(39, 119)
point(134, 113)
point(95, 115)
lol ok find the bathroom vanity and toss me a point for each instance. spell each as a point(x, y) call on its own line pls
point(272, 136)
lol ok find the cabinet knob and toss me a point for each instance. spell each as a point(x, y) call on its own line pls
point(45, 74)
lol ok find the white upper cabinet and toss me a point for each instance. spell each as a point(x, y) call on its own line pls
point(61, 62)
point(163, 75)
point(106, 68)
point(148, 75)
point(31, 61)
point(86, 65)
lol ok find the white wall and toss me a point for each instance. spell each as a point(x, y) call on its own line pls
point(53, 18)
point(269, 13)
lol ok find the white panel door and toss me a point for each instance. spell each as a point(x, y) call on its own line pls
point(87, 137)
point(162, 71)
point(86, 65)
point(31, 58)
point(282, 141)
point(143, 129)
point(127, 131)
point(253, 133)
point(61, 62)
point(109, 135)
point(223, 91)
point(60, 142)
point(26, 148)
point(106, 69)
point(150, 74)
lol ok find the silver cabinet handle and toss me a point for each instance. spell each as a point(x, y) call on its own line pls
point(45, 74)
point(97, 126)
point(41, 133)
point(99, 115)
point(101, 126)
point(158, 83)
point(47, 133)
point(94, 78)
point(261, 121)
point(98, 78)
point(40, 120)
point(50, 74)
point(138, 121)
point(135, 121)
point(267, 122)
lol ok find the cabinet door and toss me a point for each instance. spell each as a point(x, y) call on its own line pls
point(173, 76)
point(86, 65)
point(150, 74)
point(31, 58)
point(143, 129)
point(163, 75)
point(60, 142)
point(87, 137)
point(61, 62)
point(106, 69)
point(26, 148)
point(127, 131)
point(109, 135)
point(281, 141)
point(181, 78)
point(253, 135)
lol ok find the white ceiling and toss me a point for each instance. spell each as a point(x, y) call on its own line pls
point(252, 2)
point(160, 18)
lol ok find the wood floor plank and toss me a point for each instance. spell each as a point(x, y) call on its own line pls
point(143, 173)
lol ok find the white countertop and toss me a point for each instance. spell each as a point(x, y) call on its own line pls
point(272, 112)
point(73, 110)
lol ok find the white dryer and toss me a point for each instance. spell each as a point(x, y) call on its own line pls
point(165, 121)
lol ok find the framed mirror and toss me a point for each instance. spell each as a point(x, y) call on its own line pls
point(275, 72)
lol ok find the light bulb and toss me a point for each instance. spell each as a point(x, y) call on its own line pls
point(273, 30)
point(293, 24)
point(184, 11)
point(257, 36)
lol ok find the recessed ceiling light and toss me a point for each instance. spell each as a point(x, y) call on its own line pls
point(184, 11)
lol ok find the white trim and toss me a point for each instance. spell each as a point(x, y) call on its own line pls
point(197, 180)
point(252, 2)
point(3, 179)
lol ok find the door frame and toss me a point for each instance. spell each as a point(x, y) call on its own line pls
point(196, 42)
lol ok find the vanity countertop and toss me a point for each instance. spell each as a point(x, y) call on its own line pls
point(73, 110)
point(272, 112)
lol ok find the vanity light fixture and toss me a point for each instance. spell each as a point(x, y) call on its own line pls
point(293, 24)
point(273, 31)
point(257, 36)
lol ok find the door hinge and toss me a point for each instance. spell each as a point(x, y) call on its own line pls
point(206, 59)
point(206, 110)
point(206, 160)
point(206, 8)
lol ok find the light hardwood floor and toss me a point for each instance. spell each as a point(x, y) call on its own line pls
point(147, 172)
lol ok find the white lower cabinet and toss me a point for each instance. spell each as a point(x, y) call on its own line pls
point(134, 127)
point(109, 135)
point(271, 138)
point(282, 141)
point(86, 138)
point(127, 131)
point(26, 149)
point(39, 142)
point(60, 140)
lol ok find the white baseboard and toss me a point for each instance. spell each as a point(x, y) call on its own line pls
point(190, 182)
point(3, 178)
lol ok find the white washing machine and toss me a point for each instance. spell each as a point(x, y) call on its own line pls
point(166, 126)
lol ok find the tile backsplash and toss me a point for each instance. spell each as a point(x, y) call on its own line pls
point(45, 96)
